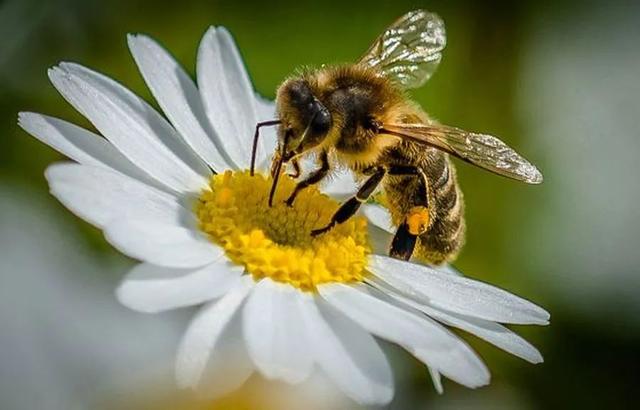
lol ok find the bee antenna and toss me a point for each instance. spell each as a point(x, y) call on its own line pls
point(276, 177)
point(254, 149)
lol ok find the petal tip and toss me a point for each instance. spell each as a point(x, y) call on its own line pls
point(138, 39)
point(211, 31)
point(55, 72)
point(25, 118)
point(538, 359)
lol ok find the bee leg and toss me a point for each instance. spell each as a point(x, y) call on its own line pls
point(296, 168)
point(403, 243)
point(312, 179)
point(416, 221)
point(350, 207)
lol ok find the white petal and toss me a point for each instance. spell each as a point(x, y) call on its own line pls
point(266, 110)
point(230, 365)
point(340, 186)
point(132, 126)
point(203, 335)
point(380, 217)
point(448, 269)
point(490, 331)
point(80, 145)
point(379, 239)
point(457, 294)
point(427, 340)
point(275, 332)
point(178, 96)
point(349, 356)
point(163, 245)
point(227, 94)
point(100, 195)
point(437, 380)
point(240, 85)
point(150, 288)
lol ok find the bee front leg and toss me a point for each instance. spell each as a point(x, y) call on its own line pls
point(313, 178)
point(296, 168)
point(350, 207)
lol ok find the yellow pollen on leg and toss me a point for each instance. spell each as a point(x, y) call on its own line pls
point(276, 242)
point(418, 220)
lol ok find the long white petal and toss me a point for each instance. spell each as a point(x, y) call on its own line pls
point(427, 340)
point(349, 356)
point(178, 96)
point(492, 332)
point(229, 366)
point(379, 239)
point(200, 342)
point(437, 379)
point(240, 86)
point(273, 325)
point(457, 294)
point(163, 245)
point(99, 195)
point(341, 186)
point(379, 216)
point(266, 110)
point(80, 145)
point(150, 288)
point(448, 269)
point(227, 95)
point(132, 126)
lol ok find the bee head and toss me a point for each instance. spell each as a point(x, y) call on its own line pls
point(305, 120)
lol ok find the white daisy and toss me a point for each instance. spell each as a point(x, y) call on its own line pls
point(273, 299)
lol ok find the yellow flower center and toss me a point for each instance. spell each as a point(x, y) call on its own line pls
point(276, 242)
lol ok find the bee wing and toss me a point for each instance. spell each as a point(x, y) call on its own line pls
point(482, 150)
point(409, 51)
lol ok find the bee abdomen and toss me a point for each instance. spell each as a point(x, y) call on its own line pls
point(445, 236)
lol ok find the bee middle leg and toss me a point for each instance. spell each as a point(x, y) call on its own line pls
point(313, 178)
point(296, 168)
point(351, 206)
point(416, 221)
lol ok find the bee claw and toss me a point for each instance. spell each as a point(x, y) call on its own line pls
point(290, 200)
point(320, 231)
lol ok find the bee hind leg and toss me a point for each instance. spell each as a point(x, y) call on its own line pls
point(403, 243)
point(414, 225)
point(416, 221)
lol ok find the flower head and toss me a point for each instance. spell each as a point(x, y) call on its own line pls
point(174, 194)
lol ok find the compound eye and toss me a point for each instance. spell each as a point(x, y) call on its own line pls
point(321, 121)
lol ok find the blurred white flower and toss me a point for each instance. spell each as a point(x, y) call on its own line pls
point(65, 342)
point(274, 299)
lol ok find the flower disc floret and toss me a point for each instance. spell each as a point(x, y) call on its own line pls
point(276, 242)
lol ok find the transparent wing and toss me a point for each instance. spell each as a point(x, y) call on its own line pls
point(409, 51)
point(484, 151)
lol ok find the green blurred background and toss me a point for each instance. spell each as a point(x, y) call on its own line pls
point(559, 81)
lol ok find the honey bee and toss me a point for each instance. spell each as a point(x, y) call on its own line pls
point(360, 116)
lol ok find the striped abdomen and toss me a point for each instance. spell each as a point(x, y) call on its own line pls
point(445, 237)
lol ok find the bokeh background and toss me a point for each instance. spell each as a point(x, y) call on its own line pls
point(558, 80)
